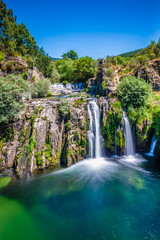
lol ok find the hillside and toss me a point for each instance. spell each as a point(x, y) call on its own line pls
point(130, 54)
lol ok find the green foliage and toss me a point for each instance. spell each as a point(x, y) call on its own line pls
point(156, 121)
point(119, 139)
point(39, 161)
point(68, 124)
point(109, 72)
point(79, 70)
point(71, 54)
point(133, 92)
point(135, 58)
point(25, 75)
point(9, 66)
point(79, 101)
point(111, 123)
point(104, 84)
point(130, 54)
point(1, 57)
point(55, 75)
point(66, 69)
point(64, 108)
point(41, 88)
point(84, 68)
point(12, 89)
point(32, 145)
point(15, 39)
point(43, 63)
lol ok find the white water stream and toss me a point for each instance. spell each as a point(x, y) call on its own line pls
point(94, 129)
point(129, 146)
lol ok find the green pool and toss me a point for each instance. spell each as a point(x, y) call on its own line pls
point(96, 199)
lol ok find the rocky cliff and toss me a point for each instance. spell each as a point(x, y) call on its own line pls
point(46, 135)
point(17, 64)
point(108, 76)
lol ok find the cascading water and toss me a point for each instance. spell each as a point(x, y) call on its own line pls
point(94, 129)
point(129, 146)
point(153, 146)
point(90, 132)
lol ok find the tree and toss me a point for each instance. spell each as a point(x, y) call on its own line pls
point(55, 75)
point(84, 68)
point(41, 88)
point(44, 63)
point(133, 92)
point(25, 43)
point(12, 89)
point(71, 54)
point(65, 68)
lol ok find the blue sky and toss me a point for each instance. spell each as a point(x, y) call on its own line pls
point(94, 28)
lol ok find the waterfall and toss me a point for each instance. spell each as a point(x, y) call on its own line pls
point(129, 146)
point(90, 132)
point(153, 145)
point(94, 129)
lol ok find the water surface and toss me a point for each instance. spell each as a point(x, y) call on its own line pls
point(96, 199)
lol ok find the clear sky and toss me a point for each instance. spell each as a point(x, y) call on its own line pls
point(94, 28)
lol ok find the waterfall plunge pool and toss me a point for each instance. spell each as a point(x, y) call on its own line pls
point(102, 199)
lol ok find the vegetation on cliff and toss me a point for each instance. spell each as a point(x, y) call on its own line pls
point(12, 89)
point(16, 40)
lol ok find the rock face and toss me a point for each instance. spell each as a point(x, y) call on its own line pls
point(43, 138)
point(105, 82)
point(151, 73)
point(108, 76)
point(34, 75)
point(13, 65)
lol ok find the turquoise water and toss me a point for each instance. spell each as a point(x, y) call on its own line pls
point(102, 199)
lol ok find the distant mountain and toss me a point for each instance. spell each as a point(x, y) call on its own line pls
point(54, 59)
point(130, 54)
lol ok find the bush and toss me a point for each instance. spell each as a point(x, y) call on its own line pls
point(55, 75)
point(25, 75)
point(64, 108)
point(109, 72)
point(1, 57)
point(9, 66)
point(12, 89)
point(133, 92)
point(3, 68)
point(41, 88)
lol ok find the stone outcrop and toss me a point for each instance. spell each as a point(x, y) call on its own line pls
point(43, 137)
point(12, 65)
point(108, 77)
point(34, 75)
point(151, 73)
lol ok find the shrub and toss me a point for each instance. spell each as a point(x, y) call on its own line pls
point(9, 66)
point(1, 57)
point(109, 72)
point(133, 92)
point(12, 88)
point(3, 68)
point(64, 108)
point(55, 75)
point(41, 88)
point(25, 75)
